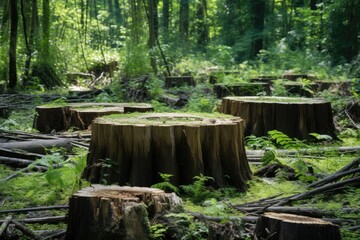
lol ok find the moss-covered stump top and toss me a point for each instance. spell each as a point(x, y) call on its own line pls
point(296, 117)
point(63, 116)
point(168, 119)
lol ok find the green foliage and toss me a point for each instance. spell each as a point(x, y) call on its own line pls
point(189, 228)
point(198, 191)
point(165, 184)
point(258, 142)
point(284, 141)
point(158, 231)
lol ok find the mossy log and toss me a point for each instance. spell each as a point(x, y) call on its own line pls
point(274, 226)
point(80, 115)
point(296, 117)
point(241, 89)
point(113, 212)
point(179, 81)
point(140, 146)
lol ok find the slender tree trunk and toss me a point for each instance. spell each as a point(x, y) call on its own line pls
point(202, 27)
point(313, 5)
point(46, 31)
point(5, 17)
point(117, 12)
point(166, 15)
point(184, 19)
point(258, 13)
point(13, 43)
point(153, 31)
point(353, 30)
point(24, 10)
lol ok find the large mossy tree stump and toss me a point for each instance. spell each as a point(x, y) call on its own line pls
point(296, 117)
point(140, 146)
point(281, 226)
point(80, 115)
point(113, 212)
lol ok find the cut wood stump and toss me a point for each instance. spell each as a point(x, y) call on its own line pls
point(295, 76)
point(296, 117)
point(112, 212)
point(80, 115)
point(140, 146)
point(241, 89)
point(179, 81)
point(274, 226)
point(299, 89)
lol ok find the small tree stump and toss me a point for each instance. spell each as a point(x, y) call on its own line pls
point(140, 146)
point(299, 89)
point(296, 117)
point(80, 115)
point(113, 212)
point(295, 76)
point(240, 89)
point(179, 81)
point(274, 226)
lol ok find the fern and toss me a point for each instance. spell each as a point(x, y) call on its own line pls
point(198, 191)
point(165, 184)
point(284, 141)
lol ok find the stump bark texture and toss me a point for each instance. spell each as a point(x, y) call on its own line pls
point(179, 81)
point(113, 212)
point(296, 117)
point(138, 147)
point(80, 115)
point(281, 226)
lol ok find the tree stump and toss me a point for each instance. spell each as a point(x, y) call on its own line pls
point(80, 115)
point(179, 81)
point(340, 87)
point(264, 79)
point(296, 117)
point(295, 76)
point(299, 89)
point(113, 212)
point(140, 146)
point(241, 89)
point(274, 226)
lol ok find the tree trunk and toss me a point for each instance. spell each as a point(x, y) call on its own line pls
point(140, 146)
point(46, 31)
point(202, 27)
point(153, 31)
point(13, 43)
point(273, 226)
point(80, 115)
point(184, 19)
point(313, 5)
point(113, 212)
point(296, 117)
point(166, 15)
point(258, 14)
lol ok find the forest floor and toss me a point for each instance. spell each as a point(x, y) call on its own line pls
point(273, 187)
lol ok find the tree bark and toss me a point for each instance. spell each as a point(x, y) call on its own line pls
point(140, 146)
point(258, 15)
point(13, 43)
point(274, 226)
point(296, 117)
point(112, 212)
point(184, 20)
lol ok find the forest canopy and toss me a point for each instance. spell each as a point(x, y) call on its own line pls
point(50, 38)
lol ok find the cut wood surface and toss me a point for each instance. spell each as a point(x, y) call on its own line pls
point(113, 212)
point(80, 115)
point(140, 146)
point(274, 226)
point(296, 117)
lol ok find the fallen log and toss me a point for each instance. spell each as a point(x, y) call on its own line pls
point(334, 177)
point(309, 212)
point(15, 174)
point(25, 230)
point(33, 209)
point(15, 162)
point(19, 154)
point(42, 220)
point(38, 146)
point(5, 224)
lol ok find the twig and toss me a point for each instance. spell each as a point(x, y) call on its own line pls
point(44, 220)
point(334, 177)
point(5, 224)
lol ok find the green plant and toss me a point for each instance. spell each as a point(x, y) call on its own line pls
point(189, 228)
point(306, 85)
point(284, 141)
point(198, 191)
point(165, 184)
point(258, 142)
point(158, 231)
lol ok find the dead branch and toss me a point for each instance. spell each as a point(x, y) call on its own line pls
point(33, 209)
point(25, 230)
point(5, 224)
point(42, 220)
